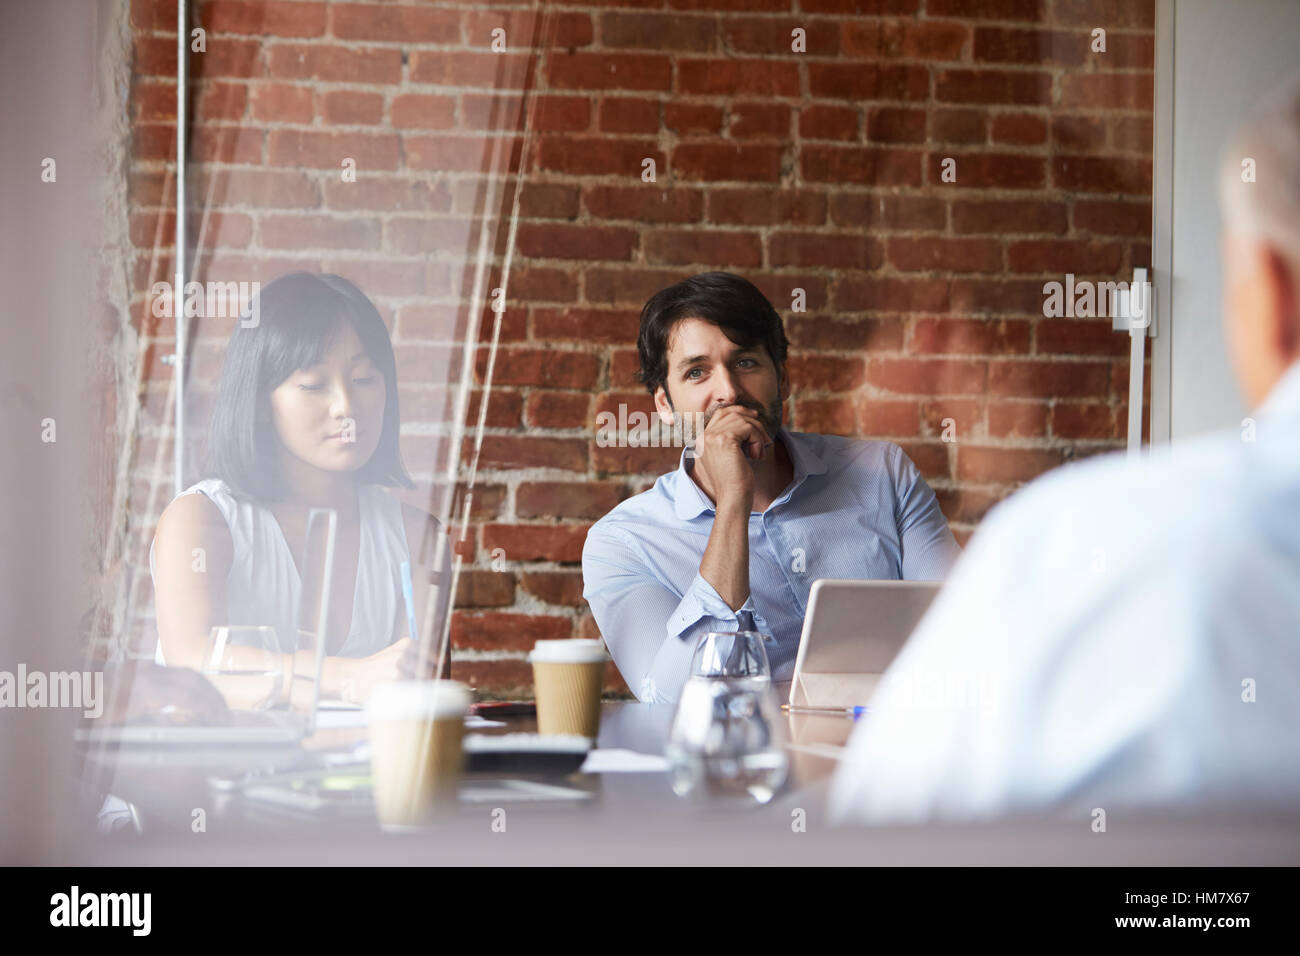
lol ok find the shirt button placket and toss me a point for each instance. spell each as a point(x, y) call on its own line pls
point(777, 545)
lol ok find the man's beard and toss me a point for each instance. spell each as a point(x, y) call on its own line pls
point(689, 425)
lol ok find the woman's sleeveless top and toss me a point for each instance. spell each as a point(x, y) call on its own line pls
point(263, 585)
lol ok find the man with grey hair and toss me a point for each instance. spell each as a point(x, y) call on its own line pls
point(1124, 637)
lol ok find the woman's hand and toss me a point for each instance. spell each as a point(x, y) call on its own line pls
point(413, 668)
point(359, 676)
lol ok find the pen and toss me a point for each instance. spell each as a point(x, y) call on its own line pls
point(854, 712)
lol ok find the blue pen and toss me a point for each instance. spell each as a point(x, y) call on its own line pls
point(854, 712)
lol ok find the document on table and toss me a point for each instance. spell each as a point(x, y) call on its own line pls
point(356, 717)
point(615, 760)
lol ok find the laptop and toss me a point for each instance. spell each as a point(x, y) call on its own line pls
point(851, 634)
point(261, 726)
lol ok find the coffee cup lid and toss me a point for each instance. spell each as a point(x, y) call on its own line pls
point(569, 651)
point(418, 698)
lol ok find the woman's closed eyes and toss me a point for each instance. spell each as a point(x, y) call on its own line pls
point(316, 387)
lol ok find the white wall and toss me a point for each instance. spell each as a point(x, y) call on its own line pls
point(1214, 59)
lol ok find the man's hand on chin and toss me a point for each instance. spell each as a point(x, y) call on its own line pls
point(725, 452)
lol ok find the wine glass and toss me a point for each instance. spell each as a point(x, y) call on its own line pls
point(246, 665)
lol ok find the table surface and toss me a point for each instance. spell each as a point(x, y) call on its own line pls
point(623, 817)
point(166, 783)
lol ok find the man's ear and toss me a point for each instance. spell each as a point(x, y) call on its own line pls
point(784, 384)
point(1282, 282)
point(663, 406)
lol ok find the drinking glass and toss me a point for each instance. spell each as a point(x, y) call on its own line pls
point(246, 665)
point(727, 740)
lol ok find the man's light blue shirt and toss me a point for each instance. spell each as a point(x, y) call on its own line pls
point(855, 509)
point(1118, 636)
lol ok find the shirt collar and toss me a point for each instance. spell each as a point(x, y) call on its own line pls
point(1283, 401)
point(690, 502)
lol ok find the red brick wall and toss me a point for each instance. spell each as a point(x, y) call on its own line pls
point(817, 170)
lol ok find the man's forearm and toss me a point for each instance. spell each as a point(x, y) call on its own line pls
point(726, 559)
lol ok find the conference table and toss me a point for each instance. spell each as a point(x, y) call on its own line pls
point(627, 815)
point(165, 784)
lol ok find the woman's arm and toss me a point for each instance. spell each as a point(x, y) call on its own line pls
point(193, 553)
point(192, 556)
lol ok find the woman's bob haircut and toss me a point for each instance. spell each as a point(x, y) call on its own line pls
point(298, 316)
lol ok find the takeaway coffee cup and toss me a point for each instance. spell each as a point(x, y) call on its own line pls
point(567, 676)
point(416, 731)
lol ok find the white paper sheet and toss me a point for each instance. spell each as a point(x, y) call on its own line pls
point(615, 760)
point(357, 718)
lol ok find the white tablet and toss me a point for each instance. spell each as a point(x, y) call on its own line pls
point(852, 632)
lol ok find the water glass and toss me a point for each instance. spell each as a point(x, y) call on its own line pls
point(246, 665)
point(727, 740)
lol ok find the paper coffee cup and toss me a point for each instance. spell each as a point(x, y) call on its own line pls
point(416, 756)
point(567, 676)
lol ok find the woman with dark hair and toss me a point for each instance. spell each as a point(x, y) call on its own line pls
point(306, 417)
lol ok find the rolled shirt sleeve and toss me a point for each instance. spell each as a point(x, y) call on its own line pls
point(631, 607)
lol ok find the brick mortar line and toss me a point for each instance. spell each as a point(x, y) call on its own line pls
point(722, 18)
point(383, 217)
point(320, 175)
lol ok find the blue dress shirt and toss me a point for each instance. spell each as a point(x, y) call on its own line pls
point(855, 509)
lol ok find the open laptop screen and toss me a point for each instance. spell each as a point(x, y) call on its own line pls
point(314, 630)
